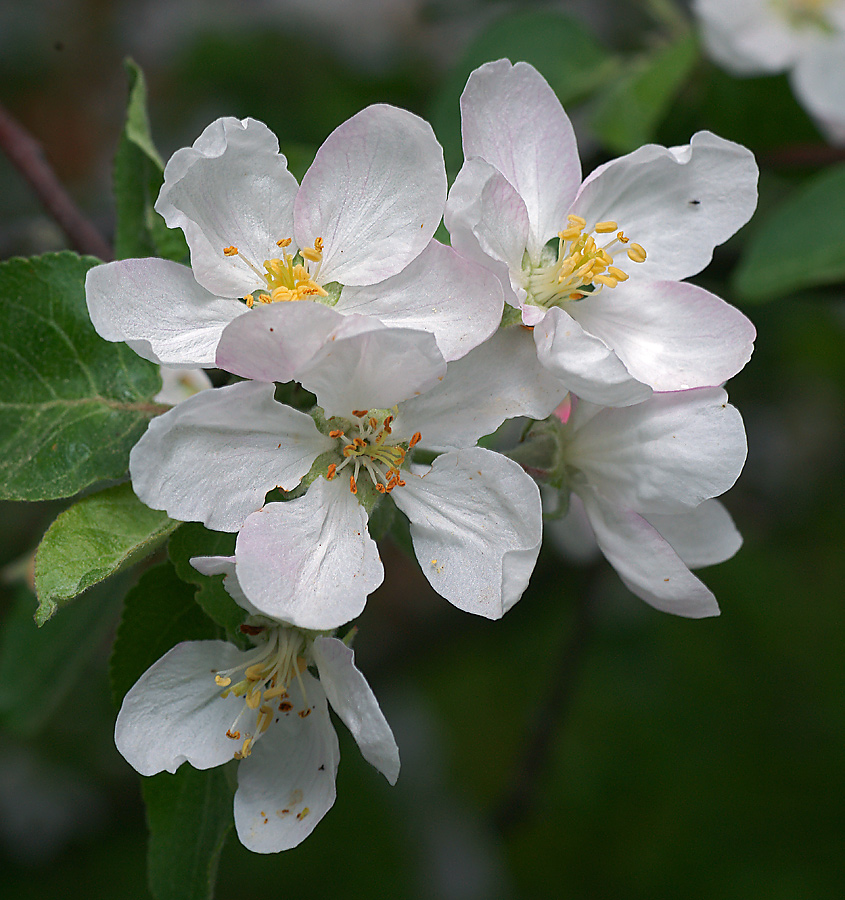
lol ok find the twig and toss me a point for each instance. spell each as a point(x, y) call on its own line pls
point(26, 155)
point(551, 712)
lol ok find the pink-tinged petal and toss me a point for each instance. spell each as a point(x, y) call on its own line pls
point(498, 380)
point(818, 80)
point(225, 565)
point(354, 701)
point(512, 119)
point(464, 213)
point(666, 455)
point(645, 562)
point(678, 203)
point(375, 195)
point(174, 713)
point(231, 189)
point(310, 561)
point(369, 365)
point(584, 363)
point(213, 458)
point(158, 307)
point(704, 536)
point(670, 335)
point(476, 524)
point(458, 301)
point(277, 340)
point(287, 784)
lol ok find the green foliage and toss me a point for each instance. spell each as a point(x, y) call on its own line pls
point(96, 537)
point(631, 108)
point(39, 668)
point(189, 814)
point(775, 264)
point(71, 404)
point(559, 46)
point(138, 176)
point(194, 539)
point(158, 613)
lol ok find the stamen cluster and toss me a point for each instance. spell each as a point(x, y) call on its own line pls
point(267, 672)
point(286, 280)
point(582, 267)
point(368, 446)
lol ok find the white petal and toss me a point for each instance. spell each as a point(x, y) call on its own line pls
point(645, 562)
point(232, 188)
point(369, 365)
point(158, 303)
point(287, 784)
point(585, 364)
point(213, 458)
point(354, 701)
point(310, 561)
point(179, 384)
point(819, 82)
point(702, 537)
point(458, 301)
point(666, 455)
point(679, 203)
point(476, 524)
point(174, 713)
point(499, 380)
point(374, 193)
point(669, 335)
point(512, 119)
point(224, 565)
point(276, 340)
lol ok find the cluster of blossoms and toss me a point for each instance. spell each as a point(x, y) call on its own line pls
point(559, 303)
point(803, 37)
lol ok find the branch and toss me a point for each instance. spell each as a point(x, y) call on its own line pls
point(26, 155)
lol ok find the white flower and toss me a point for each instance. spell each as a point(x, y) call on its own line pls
point(356, 235)
point(596, 269)
point(804, 37)
point(475, 515)
point(179, 384)
point(205, 702)
point(644, 477)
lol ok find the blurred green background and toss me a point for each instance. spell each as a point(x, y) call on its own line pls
point(586, 746)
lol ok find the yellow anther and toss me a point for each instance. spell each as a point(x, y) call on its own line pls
point(252, 699)
point(332, 470)
point(352, 485)
point(286, 242)
point(636, 253)
point(607, 280)
point(570, 234)
point(620, 236)
point(222, 681)
point(415, 439)
point(577, 220)
point(605, 227)
point(318, 244)
point(310, 254)
point(279, 691)
point(618, 274)
point(359, 413)
point(250, 301)
point(254, 673)
point(336, 433)
point(234, 735)
point(230, 251)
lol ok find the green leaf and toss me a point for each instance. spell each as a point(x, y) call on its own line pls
point(190, 815)
point(630, 109)
point(776, 263)
point(194, 539)
point(138, 176)
point(71, 404)
point(96, 537)
point(158, 613)
point(565, 52)
point(39, 668)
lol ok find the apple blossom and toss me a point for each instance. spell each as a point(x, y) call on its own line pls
point(804, 37)
point(475, 515)
point(206, 702)
point(356, 235)
point(596, 270)
point(642, 479)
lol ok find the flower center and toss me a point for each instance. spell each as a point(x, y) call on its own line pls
point(805, 13)
point(265, 673)
point(582, 265)
point(366, 444)
point(285, 278)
